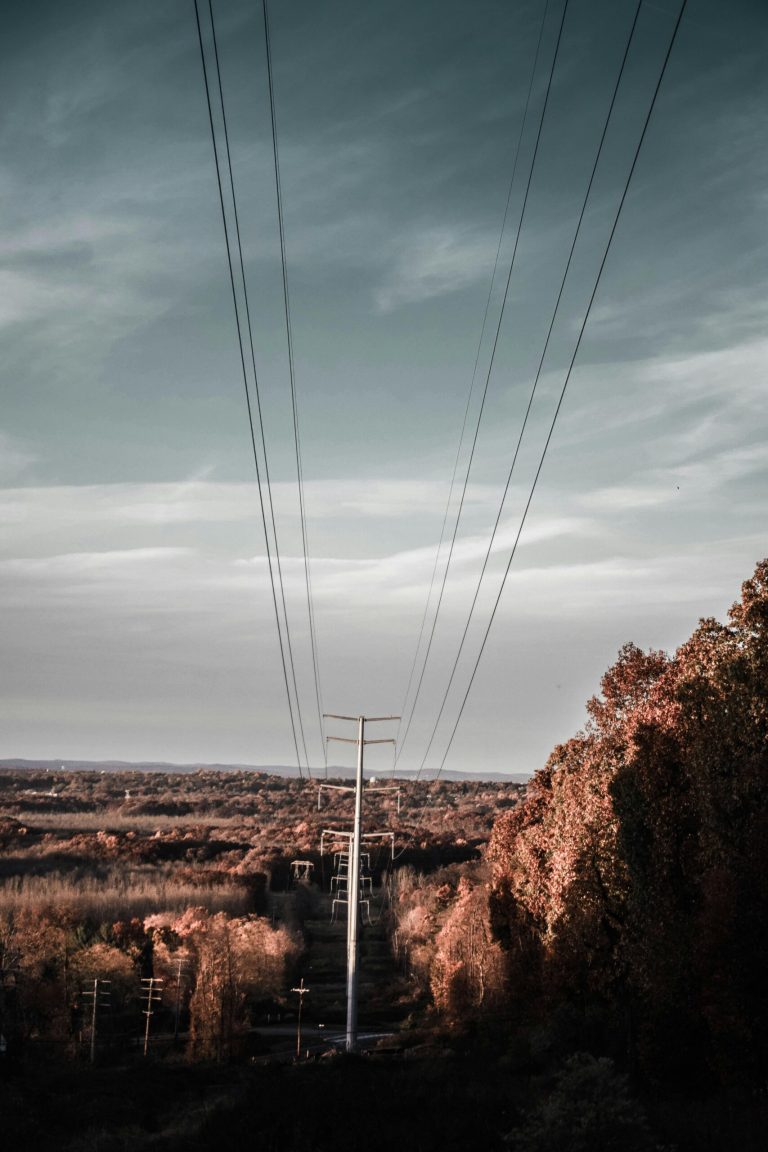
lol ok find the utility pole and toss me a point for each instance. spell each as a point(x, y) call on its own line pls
point(353, 905)
point(302, 991)
point(152, 988)
point(93, 1020)
point(181, 964)
point(96, 992)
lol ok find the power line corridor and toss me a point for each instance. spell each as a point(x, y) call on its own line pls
point(423, 666)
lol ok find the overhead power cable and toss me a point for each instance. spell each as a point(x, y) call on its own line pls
point(245, 386)
point(490, 369)
point(472, 384)
point(256, 387)
point(567, 379)
point(537, 377)
point(292, 375)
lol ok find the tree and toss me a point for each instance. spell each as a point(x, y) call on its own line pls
point(589, 1107)
point(632, 872)
point(235, 962)
point(467, 970)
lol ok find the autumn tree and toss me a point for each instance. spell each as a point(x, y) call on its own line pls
point(36, 949)
point(632, 872)
point(467, 972)
point(694, 814)
point(235, 963)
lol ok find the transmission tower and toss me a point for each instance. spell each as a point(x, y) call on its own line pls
point(354, 863)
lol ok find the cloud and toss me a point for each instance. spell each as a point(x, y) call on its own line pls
point(130, 560)
point(159, 626)
point(631, 587)
point(95, 510)
point(15, 458)
point(734, 375)
point(435, 263)
point(625, 497)
point(74, 283)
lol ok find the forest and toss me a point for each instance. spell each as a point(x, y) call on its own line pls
point(577, 963)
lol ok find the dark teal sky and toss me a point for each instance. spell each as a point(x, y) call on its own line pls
point(136, 613)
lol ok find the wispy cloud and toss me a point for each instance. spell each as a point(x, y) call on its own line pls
point(435, 263)
point(199, 562)
point(93, 509)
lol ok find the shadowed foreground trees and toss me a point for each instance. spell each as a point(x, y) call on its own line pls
point(630, 885)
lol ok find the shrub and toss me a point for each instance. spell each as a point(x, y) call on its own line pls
point(588, 1110)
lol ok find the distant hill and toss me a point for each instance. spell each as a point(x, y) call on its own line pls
point(334, 771)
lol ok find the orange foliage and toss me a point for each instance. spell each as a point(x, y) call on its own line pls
point(634, 870)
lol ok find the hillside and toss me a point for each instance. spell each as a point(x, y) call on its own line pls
point(290, 772)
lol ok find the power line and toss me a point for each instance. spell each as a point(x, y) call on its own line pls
point(542, 358)
point(472, 384)
point(568, 376)
point(256, 384)
point(245, 382)
point(292, 375)
point(490, 367)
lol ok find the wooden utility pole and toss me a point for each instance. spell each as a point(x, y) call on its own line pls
point(181, 963)
point(152, 988)
point(302, 991)
point(93, 1020)
point(100, 989)
point(353, 902)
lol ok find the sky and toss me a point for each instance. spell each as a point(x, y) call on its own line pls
point(136, 616)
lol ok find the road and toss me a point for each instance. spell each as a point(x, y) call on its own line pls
point(315, 1038)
